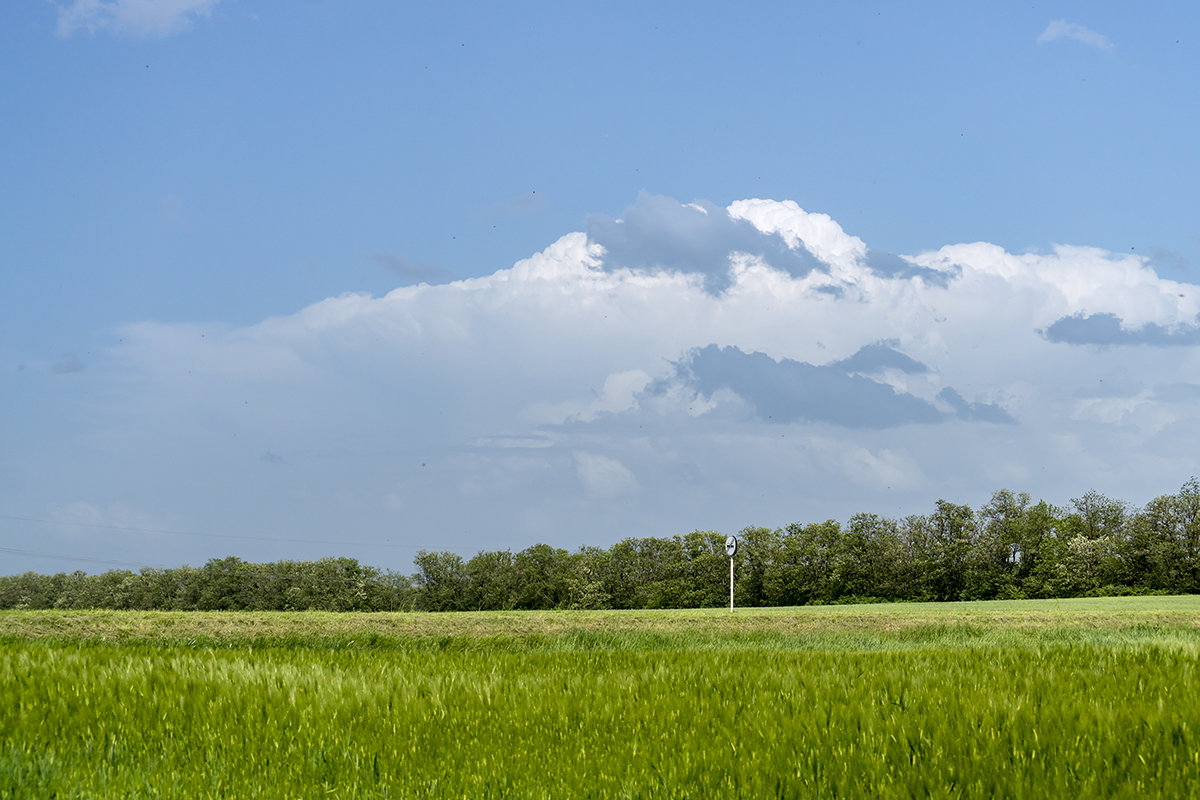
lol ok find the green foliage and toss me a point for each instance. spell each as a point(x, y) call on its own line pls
point(229, 584)
point(1010, 548)
point(585, 591)
point(441, 581)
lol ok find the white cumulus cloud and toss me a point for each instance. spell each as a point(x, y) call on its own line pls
point(634, 387)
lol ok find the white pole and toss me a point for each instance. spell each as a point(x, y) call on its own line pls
point(731, 584)
point(730, 549)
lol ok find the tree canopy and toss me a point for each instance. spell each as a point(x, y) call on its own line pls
point(1011, 547)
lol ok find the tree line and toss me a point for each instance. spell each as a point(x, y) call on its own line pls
point(1009, 548)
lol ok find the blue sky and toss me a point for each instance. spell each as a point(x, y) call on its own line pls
point(774, 263)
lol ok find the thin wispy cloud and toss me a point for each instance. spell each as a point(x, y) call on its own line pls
point(138, 18)
point(1061, 29)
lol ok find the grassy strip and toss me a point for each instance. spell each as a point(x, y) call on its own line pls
point(1171, 621)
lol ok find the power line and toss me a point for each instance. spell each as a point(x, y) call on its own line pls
point(164, 532)
point(84, 559)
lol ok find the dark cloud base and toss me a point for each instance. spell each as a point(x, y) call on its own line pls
point(795, 391)
point(661, 233)
point(1106, 329)
point(881, 355)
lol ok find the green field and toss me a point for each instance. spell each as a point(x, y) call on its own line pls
point(1067, 698)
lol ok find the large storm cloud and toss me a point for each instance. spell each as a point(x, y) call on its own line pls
point(686, 365)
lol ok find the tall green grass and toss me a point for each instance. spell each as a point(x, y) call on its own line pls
point(952, 702)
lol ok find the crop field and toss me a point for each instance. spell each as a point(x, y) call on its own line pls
point(1068, 698)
